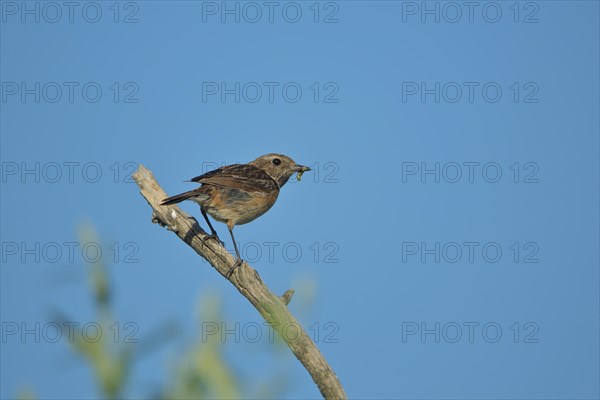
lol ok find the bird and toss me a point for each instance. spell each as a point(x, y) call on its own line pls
point(239, 193)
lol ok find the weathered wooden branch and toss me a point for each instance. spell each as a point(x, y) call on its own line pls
point(246, 280)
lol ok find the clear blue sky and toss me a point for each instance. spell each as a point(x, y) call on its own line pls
point(456, 184)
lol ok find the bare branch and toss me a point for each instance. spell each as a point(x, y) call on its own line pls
point(246, 280)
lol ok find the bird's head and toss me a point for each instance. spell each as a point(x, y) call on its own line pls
point(279, 167)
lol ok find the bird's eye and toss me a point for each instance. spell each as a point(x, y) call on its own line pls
point(276, 161)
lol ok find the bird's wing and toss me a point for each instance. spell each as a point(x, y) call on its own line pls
point(239, 176)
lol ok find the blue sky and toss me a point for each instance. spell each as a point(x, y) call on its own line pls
point(449, 231)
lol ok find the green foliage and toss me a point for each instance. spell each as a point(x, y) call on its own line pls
point(204, 372)
point(200, 372)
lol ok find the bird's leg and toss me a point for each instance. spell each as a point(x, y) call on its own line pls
point(238, 259)
point(213, 233)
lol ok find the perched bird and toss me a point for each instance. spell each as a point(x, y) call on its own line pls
point(239, 193)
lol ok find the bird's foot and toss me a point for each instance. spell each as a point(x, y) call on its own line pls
point(214, 236)
point(238, 263)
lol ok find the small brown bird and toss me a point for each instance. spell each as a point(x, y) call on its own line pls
point(239, 193)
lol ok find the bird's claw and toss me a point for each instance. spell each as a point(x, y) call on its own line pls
point(214, 237)
point(238, 263)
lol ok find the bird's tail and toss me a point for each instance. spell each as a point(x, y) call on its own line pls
point(192, 194)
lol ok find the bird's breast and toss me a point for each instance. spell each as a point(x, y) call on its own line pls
point(237, 205)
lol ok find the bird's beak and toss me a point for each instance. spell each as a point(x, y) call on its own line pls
point(300, 169)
